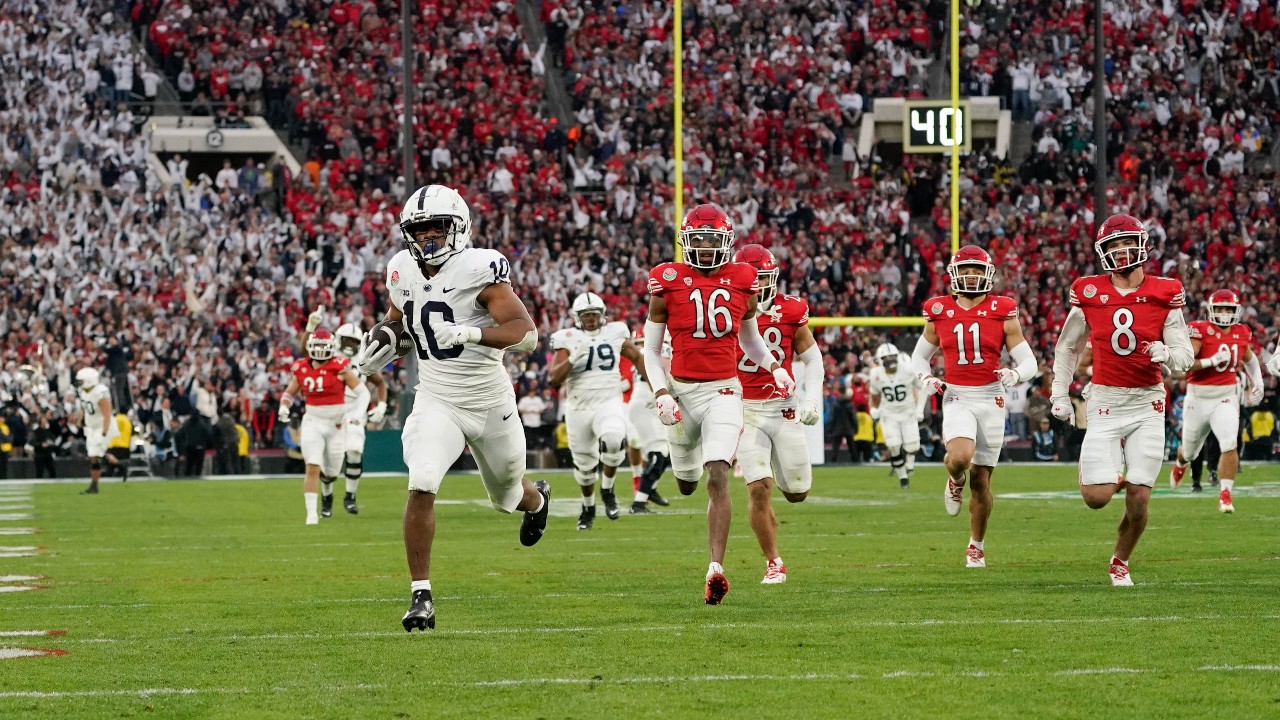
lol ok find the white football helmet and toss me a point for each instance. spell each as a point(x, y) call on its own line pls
point(440, 207)
point(587, 302)
point(350, 340)
point(887, 356)
point(87, 378)
point(320, 345)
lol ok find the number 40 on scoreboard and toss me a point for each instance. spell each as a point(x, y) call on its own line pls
point(927, 127)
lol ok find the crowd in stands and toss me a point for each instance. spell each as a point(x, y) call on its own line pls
point(191, 293)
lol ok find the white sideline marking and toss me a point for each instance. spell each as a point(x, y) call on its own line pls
point(16, 516)
point(1233, 668)
point(22, 506)
point(17, 531)
point(19, 578)
point(28, 633)
point(1103, 671)
point(149, 692)
point(7, 653)
point(16, 588)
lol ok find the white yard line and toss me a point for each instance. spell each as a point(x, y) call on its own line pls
point(6, 517)
point(152, 692)
point(18, 531)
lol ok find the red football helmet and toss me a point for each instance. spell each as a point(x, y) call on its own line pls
point(759, 257)
point(1120, 227)
point(972, 255)
point(321, 344)
point(1225, 308)
point(707, 237)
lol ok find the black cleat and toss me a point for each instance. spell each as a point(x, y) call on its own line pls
point(349, 504)
point(1195, 487)
point(639, 508)
point(326, 506)
point(534, 524)
point(587, 517)
point(91, 490)
point(1213, 478)
point(904, 483)
point(657, 499)
point(422, 613)
point(610, 504)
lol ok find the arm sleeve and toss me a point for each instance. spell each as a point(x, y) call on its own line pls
point(1025, 361)
point(1253, 371)
point(813, 373)
point(1066, 354)
point(752, 344)
point(921, 356)
point(1178, 341)
point(654, 332)
point(362, 396)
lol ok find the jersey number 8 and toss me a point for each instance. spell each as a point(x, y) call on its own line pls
point(772, 338)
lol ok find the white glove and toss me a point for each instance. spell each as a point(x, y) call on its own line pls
point(1159, 352)
point(1062, 408)
point(809, 414)
point(1273, 365)
point(315, 318)
point(378, 413)
point(369, 362)
point(1253, 397)
point(785, 383)
point(1008, 377)
point(668, 409)
point(449, 335)
point(933, 385)
point(875, 413)
point(919, 416)
point(284, 414)
point(1222, 356)
point(625, 383)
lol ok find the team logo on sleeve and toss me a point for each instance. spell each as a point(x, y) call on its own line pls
point(1090, 291)
point(669, 274)
point(395, 278)
point(688, 282)
point(1104, 298)
point(937, 308)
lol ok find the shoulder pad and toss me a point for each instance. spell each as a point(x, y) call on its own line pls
point(662, 278)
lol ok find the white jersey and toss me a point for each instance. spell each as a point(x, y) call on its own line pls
point(89, 400)
point(595, 378)
point(896, 389)
point(467, 376)
point(349, 398)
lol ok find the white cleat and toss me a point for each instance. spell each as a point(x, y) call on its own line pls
point(975, 558)
point(313, 520)
point(953, 497)
point(774, 574)
point(1119, 573)
point(1224, 502)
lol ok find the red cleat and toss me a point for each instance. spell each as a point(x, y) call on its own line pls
point(1175, 475)
point(717, 588)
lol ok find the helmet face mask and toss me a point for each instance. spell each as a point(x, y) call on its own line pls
point(320, 345)
point(1121, 244)
point(887, 357)
point(971, 271)
point(436, 224)
point(87, 378)
point(759, 257)
point(706, 235)
point(350, 341)
point(1224, 308)
point(588, 312)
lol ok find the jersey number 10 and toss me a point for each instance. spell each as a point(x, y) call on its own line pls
point(424, 338)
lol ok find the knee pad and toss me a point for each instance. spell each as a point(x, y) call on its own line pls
point(584, 477)
point(354, 470)
point(613, 449)
point(95, 465)
point(898, 459)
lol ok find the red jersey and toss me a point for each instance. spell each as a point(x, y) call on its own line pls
point(628, 372)
point(703, 316)
point(971, 339)
point(1237, 338)
point(778, 327)
point(1122, 326)
point(322, 385)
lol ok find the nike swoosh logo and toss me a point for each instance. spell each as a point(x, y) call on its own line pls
point(446, 291)
point(507, 416)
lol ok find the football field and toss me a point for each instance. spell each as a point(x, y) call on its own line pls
point(204, 599)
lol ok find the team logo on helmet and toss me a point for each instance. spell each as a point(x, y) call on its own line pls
point(669, 274)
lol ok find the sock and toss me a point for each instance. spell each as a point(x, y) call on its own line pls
point(1226, 483)
point(976, 543)
point(642, 498)
point(589, 500)
point(542, 501)
point(417, 585)
point(310, 500)
point(637, 470)
point(606, 482)
point(901, 470)
point(352, 486)
point(714, 567)
point(911, 461)
point(326, 487)
point(958, 481)
point(1115, 560)
point(776, 561)
point(1181, 463)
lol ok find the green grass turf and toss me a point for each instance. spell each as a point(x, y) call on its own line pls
point(216, 597)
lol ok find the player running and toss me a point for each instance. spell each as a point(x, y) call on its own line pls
point(323, 380)
point(772, 436)
point(897, 401)
point(586, 365)
point(709, 305)
point(972, 328)
point(1221, 346)
point(457, 305)
point(1135, 324)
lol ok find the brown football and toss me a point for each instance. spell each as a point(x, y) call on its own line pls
point(388, 332)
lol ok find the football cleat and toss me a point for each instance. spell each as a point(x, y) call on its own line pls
point(974, 557)
point(313, 520)
point(1213, 477)
point(610, 499)
point(326, 506)
point(1119, 573)
point(1195, 487)
point(587, 517)
point(953, 497)
point(91, 490)
point(904, 483)
point(422, 613)
point(657, 499)
point(349, 504)
point(639, 508)
point(1224, 502)
point(774, 574)
point(535, 523)
point(1175, 475)
point(717, 588)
